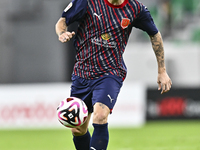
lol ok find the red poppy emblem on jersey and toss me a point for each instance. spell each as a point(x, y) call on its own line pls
point(125, 22)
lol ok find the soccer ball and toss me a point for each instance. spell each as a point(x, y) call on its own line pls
point(72, 112)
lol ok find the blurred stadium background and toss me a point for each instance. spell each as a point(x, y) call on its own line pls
point(35, 71)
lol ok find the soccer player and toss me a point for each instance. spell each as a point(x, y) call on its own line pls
point(103, 30)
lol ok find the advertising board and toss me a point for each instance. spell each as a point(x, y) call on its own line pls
point(179, 103)
point(34, 105)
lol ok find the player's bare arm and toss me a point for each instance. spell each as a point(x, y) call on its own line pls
point(164, 82)
point(61, 31)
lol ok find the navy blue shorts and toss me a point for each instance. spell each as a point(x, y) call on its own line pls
point(103, 89)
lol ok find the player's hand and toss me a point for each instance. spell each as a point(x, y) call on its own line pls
point(66, 36)
point(164, 82)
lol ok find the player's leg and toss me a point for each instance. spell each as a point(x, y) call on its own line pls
point(104, 98)
point(99, 140)
point(81, 89)
point(100, 114)
point(81, 136)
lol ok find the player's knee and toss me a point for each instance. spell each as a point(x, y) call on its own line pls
point(100, 117)
point(78, 131)
point(100, 114)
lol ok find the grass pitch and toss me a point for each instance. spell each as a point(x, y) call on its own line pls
point(159, 135)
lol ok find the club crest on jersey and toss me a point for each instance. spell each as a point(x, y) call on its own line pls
point(68, 7)
point(106, 36)
point(125, 22)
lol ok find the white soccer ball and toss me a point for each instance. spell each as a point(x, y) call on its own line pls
point(72, 112)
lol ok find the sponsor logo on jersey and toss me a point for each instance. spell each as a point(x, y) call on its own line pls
point(104, 43)
point(106, 36)
point(125, 22)
point(68, 7)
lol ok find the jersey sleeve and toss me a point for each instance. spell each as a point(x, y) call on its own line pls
point(145, 22)
point(74, 11)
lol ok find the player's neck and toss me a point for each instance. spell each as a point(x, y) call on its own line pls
point(116, 2)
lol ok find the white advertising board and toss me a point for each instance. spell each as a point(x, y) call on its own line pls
point(34, 105)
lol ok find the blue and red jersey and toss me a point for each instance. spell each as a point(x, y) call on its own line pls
point(103, 33)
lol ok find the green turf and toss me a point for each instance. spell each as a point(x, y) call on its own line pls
point(166, 135)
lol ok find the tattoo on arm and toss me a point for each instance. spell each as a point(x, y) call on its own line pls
point(157, 44)
point(63, 27)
